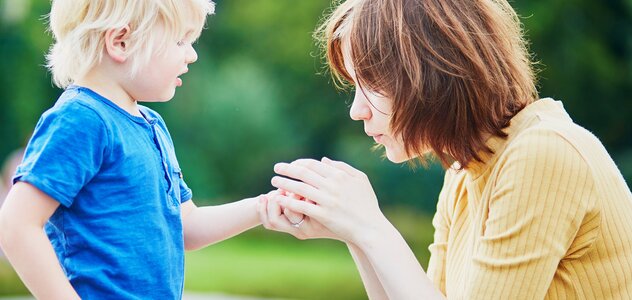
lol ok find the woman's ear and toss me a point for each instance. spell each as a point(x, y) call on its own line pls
point(117, 43)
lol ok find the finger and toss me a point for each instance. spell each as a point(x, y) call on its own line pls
point(297, 187)
point(319, 167)
point(273, 210)
point(299, 172)
point(278, 220)
point(304, 207)
point(271, 193)
point(295, 196)
point(343, 166)
point(293, 216)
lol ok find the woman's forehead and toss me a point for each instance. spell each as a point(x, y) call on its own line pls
point(347, 57)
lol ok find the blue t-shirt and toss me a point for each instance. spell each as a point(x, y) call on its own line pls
point(118, 232)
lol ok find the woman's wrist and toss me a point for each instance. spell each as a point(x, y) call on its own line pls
point(372, 236)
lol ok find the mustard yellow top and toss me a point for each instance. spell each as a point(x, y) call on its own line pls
point(548, 216)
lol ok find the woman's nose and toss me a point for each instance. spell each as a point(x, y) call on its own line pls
point(360, 109)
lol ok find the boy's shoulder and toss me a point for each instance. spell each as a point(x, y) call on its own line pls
point(82, 102)
point(74, 104)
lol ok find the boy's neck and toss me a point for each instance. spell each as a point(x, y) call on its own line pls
point(111, 90)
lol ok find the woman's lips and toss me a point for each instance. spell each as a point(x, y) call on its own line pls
point(376, 137)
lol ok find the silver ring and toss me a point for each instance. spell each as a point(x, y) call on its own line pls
point(297, 225)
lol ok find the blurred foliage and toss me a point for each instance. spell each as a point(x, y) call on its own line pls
point(258, 95)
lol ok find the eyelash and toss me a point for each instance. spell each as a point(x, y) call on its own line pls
point(185, 42)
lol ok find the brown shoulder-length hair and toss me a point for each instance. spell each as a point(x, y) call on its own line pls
point(457, 71)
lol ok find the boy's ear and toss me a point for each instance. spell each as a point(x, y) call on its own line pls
point(117, 43)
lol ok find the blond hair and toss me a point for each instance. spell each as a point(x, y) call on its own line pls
point(456, 70)
point(79, 27)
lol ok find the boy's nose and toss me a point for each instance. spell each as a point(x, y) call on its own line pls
point(191, 55)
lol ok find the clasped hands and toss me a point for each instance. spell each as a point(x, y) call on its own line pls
point(320, 199)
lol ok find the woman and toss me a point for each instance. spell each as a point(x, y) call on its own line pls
point(532, 204)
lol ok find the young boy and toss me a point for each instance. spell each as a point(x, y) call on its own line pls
point(100, 173)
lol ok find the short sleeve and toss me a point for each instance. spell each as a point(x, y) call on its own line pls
point(65, 151)
point(185, 192)
point(543, 193)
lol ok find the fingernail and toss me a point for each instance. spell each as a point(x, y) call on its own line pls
point(278, 167)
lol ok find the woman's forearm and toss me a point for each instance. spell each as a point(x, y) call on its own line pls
point(396, 267)
point(30, 253)
point(372, 284)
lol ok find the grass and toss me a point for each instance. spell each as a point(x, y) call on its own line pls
point(10, 284)
point(269, 264)
point(276, 266)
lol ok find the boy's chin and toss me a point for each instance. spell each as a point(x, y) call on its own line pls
point(155, 100)
point(160, 98)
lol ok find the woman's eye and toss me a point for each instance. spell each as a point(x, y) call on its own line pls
point(181, 43)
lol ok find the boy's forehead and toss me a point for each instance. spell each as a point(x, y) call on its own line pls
point(182, 27)
point(189, 16)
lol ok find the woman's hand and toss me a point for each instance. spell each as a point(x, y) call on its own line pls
point(341, 199)
point(275, 217)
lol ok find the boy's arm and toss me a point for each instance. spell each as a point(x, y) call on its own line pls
point(206, 225)
point(22, 218)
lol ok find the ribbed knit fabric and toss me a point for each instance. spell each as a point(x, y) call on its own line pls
point(547, 216)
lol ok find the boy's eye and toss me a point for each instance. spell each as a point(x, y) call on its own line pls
point(180, 43)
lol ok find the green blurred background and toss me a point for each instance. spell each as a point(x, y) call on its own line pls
point(258, 95)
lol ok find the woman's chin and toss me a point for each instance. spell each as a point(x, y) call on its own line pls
point(396, 158)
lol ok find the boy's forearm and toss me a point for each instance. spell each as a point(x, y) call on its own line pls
point(30, 253)
point(211, 224)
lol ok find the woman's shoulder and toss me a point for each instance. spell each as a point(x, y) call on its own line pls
point(551, 140)
point(544, 127)
point(552, 135)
